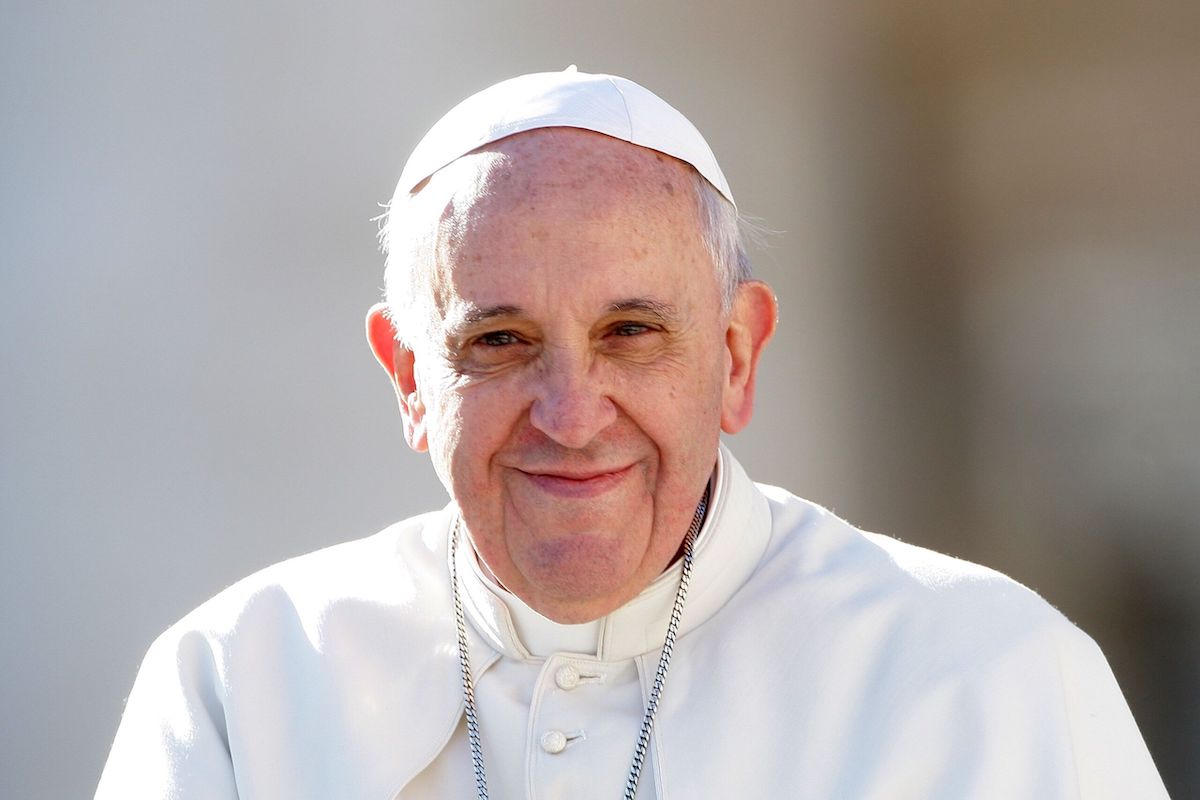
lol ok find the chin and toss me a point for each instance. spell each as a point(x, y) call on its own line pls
point(578, 570)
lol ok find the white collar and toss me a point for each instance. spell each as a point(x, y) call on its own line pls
point(728, 548)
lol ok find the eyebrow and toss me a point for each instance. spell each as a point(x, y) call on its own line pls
point(477, 315)
point(659, 310)
point(664, 312)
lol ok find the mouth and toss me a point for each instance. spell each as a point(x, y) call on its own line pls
point(578, 484)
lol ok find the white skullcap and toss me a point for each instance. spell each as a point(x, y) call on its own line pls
point(606, 104)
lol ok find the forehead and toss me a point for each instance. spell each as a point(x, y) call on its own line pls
point(558, 171)
point(555, 204)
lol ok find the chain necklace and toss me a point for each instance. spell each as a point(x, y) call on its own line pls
point(656, 688)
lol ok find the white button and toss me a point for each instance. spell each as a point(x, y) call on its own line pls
point(567, 677)
point(554, 742)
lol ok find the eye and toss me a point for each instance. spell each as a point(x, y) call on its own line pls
point(629, 329)
point(498, 339)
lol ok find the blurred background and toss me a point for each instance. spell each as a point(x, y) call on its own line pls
point(987, 255)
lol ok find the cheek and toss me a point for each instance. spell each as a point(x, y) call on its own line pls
point(443, 410)
point(686, 396)
point(689, 421)
point(471, 426)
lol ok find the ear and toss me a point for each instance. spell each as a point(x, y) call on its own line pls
point(399, 363)
point(751, 325)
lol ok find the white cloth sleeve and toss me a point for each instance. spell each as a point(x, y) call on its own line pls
point(171, 743)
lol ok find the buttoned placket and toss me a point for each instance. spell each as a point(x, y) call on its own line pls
point(583, 721)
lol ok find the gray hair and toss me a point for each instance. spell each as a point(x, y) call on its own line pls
point(406, 239)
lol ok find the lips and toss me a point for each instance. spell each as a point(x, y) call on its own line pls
point(565, 483)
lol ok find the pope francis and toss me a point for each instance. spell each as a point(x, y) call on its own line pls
point(608, 607)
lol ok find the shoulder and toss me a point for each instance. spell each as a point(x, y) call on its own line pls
point(889, 644)
point(351, 640)
point(940, 598)
point(394, 572)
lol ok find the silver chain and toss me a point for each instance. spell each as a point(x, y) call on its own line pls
point(656, 688)
point(464, 664)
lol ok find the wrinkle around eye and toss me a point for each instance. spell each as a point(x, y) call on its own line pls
point(492, 351)
point(636, 341)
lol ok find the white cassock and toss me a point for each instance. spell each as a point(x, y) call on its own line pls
point(813, 661)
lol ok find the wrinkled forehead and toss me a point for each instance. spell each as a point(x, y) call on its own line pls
point(562, 195)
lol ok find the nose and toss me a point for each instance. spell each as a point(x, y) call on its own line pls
point(571, 404)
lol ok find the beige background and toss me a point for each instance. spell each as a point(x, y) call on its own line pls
point(988, 259)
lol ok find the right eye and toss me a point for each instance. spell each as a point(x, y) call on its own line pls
point(498, 339)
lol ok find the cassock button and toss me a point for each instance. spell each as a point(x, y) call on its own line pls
point(567, 677)
point(554, 742)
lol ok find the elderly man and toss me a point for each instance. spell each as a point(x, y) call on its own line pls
point(608, 605)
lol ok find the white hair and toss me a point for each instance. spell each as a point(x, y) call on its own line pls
point(721, 231)
point(406, 238)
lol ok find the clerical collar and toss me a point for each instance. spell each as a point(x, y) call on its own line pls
point(538, 635)
point(728, 547)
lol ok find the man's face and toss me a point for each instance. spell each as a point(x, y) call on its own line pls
point(571, 389)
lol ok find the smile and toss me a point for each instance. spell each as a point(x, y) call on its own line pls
point(577, 484)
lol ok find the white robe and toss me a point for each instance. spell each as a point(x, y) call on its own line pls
point(813, 661)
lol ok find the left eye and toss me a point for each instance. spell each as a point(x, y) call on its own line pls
point(630, 329)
